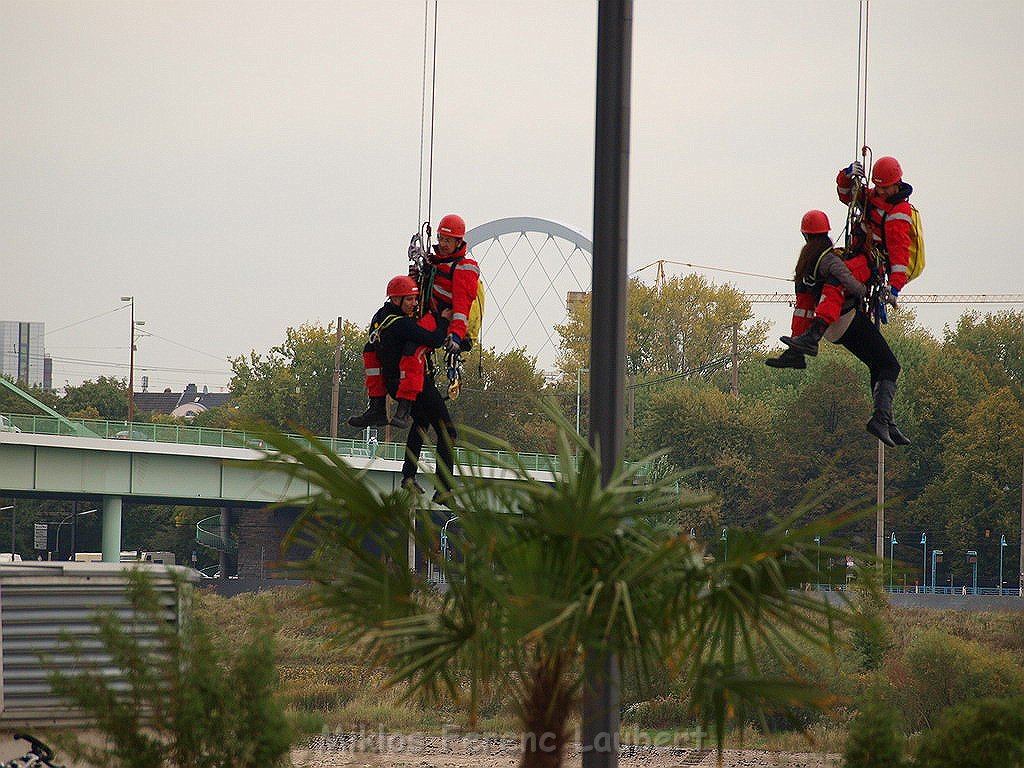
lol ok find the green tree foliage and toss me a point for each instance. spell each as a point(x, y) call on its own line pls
point(997, 341)
point(976, 734)
point(684, 325)
point(107, 396)
point(875, 737)
point(290, 386)
point(499, 396)
point(11, 403)
point(939, 670)
point(183, 701)
point(548, 572)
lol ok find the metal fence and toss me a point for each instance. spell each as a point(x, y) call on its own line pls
point(42, 606)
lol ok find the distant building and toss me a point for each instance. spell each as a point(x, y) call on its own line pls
point(22, 357)
point(185, 404)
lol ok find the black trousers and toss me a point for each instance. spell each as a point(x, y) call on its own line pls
point(868, 345)
point(430, 412)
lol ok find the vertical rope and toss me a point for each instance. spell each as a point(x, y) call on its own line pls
point(433, 93)
point(423, 112)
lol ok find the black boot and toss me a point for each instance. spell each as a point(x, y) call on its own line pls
point(401, 418)
point(807, 342)
point(375, 415)
point(897, 437)
point(880, 419)
point(789, 358)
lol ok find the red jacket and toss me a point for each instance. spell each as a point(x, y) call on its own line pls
point(887, 221)
point(456, 279)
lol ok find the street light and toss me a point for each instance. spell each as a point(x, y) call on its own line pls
point(972, 560)
point(725, 538)
point(12, 514)
point(924, 562)
point(892, 543)
point(56, 544)
point(936, 558)
point(131, 359)
point(1002, 545)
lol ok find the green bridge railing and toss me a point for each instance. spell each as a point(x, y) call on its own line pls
point(183, 434)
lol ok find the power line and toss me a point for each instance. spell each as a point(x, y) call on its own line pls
point(910, 298)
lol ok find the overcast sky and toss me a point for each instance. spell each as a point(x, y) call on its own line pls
point(240, 167)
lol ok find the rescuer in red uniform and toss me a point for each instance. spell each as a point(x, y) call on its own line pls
point(456, 279)
point(819, 264)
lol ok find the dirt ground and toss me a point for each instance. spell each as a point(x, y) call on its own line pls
point(459, 752)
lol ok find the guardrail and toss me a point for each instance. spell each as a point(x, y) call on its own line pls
point(183, 434)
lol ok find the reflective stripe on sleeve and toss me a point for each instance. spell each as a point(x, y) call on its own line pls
point(468, 267)
point(900, 217)
point(899, 268)
point(803, 312)
point(460, 316)
point(439, 290)
point(373, 371)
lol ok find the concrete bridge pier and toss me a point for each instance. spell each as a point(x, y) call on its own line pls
point(110, 545)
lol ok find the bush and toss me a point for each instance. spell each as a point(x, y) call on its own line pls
point(875, 736)
point(181, 699)
point(976, 734)
point(941, 671)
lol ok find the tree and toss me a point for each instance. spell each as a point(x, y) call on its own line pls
point(685, 325)
point(11, 403)
point(499, 396)
point(107, 395)
point(548, 572)
point(290, 386)
point(998, 341)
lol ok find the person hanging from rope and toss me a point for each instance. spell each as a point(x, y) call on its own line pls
point(456, 279)
point(399, 337)
point(820, 264)
point(878, 247)
point(411, 365)
point(823, 281)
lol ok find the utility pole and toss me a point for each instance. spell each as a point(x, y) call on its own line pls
point(337, 380)
point(1020, 583)
point(608, 326)
point(880, 510)
point(735, 361)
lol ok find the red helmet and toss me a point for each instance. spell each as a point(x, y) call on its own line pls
point(452, 225)
point(403, 285)
point(886, 171)
point(814, 223)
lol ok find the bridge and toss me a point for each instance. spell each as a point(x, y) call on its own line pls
point(111, 462)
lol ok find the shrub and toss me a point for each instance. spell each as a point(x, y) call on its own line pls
point(181, 698)
point(941, 671)
point(875, 737)
point(976, 734)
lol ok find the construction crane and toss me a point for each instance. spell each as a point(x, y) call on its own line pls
point(908, 298)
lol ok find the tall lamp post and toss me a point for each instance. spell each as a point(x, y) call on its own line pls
point(924, 562)
point(13, 513)
point(936, 558)
point(892, 544)
point(725, 538)
point(60, 525)
point(1002, 545)
point(131, 359)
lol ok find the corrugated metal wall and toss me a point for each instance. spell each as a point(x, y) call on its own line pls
point(42, 603)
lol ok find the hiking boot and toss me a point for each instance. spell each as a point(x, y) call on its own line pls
point(897, 437)
point(789, 358)
point(401, 418)
point(880, 419)
point(410, 484)
point(807, 342)
point(375, 415)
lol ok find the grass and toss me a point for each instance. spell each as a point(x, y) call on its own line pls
point(331, 687)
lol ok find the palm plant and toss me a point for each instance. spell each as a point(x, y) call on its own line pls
point(547, 569)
